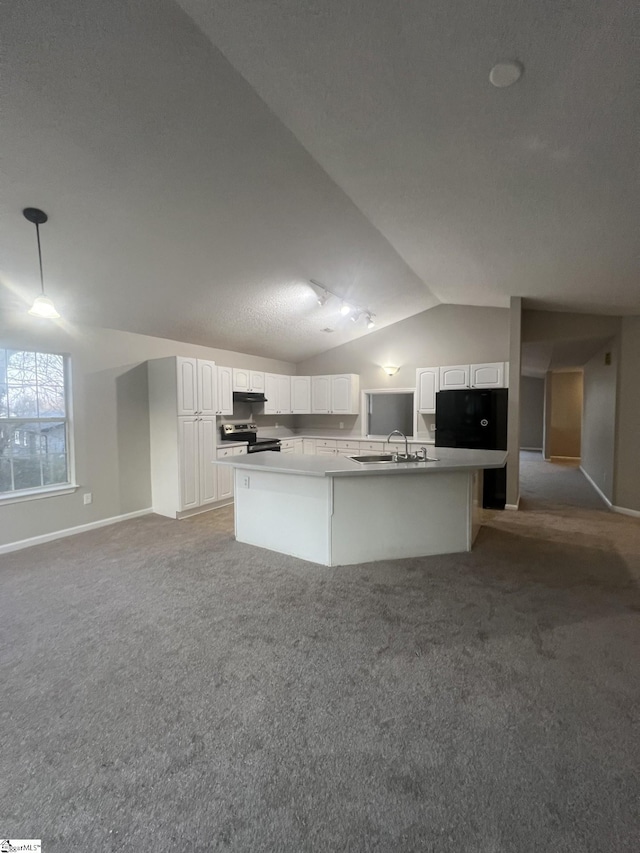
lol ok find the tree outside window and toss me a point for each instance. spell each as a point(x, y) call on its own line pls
point(33, 421)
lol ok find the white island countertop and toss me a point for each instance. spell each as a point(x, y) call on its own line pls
point(442, 459)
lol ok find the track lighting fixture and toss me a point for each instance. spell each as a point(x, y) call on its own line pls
point(347, 309)
point(42, 305)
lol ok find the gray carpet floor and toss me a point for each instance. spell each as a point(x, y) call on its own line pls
point(166, 688)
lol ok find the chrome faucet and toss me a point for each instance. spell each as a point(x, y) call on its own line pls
point(406, 441)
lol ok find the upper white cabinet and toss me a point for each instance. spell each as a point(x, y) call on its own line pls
point(225, 390)
point(487, 375)
point(321, 395)
point(427, 384)
point(277, 390)
point(300, 395)
point(197, 386)
point(335, 395)
point(454, 377)
point(248, 380)
point(490, 375)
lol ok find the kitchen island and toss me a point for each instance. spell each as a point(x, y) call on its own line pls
point(335, 511)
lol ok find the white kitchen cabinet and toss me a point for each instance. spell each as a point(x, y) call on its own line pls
point(284, 395)
point(248, 380)
point(197, 450)
point(489, 375)
point(196, 386)
point(271, 393)
point(320, 395)
point(308, 446)
point(325, 451)
point(300, 395)
point(189, 464)
point(225, 390)
point(347, 448)
point(187, 385)
point(335, 394)
point(277, 390)
point(454, 377)
point(224, 473)
point(427, 385)
point(182, 447)
point(291, 445)
point(485, 375)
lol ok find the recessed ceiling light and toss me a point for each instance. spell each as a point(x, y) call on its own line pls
point(506, 74)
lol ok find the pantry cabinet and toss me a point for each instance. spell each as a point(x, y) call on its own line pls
point(183, 401)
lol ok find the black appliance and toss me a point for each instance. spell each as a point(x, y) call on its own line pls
point(248, 433)
point(476, 418)
point(249, 397)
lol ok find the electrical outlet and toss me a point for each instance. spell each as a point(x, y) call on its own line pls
point(88, 498)
point(432, 427)
point(341, 424)
point(245, 481)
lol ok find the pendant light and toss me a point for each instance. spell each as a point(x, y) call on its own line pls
point(42, 305)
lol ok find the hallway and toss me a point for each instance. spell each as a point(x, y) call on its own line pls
point(553, 484)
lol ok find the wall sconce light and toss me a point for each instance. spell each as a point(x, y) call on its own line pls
point(42, 305)
point(390, 370)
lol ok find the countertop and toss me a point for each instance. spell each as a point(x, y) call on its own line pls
point(340, 436)
point(445, 459)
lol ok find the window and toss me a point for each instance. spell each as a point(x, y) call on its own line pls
point(34, 424)
point(389, 410)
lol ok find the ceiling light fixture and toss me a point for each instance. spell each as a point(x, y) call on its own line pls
point(506, 74)
point(42, 305)
point(323, 293)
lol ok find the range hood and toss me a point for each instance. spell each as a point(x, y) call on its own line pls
point(248, 397)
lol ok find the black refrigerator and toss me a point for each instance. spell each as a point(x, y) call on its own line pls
point(476, 418)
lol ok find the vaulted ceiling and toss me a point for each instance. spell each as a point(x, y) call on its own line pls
point(201, 161)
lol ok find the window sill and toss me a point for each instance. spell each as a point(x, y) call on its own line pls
point(36, 494)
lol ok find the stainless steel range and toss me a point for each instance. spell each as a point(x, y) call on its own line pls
point(249, 433)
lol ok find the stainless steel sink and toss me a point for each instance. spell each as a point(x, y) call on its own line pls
point(378, 457)
point(391, 458)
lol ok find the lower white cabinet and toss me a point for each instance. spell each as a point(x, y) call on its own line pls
point(224, 473)
point(308, 446)
point(196, 452)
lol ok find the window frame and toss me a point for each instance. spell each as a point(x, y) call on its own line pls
point(54, 489)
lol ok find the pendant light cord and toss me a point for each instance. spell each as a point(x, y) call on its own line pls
point(40, 258)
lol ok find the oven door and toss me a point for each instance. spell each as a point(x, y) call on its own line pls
point(261, 446)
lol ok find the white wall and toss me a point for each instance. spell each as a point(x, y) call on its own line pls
point(599, 418)
point(627, 463)
point(531, 412)
point(111, 421)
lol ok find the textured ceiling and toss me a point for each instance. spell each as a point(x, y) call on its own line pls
point(486, 193)
point(199, 168)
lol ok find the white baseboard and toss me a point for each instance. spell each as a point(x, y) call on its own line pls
point(532, 449)
point(596, 487)
point(634, 513)
point(514, 507)
point(71, 531)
